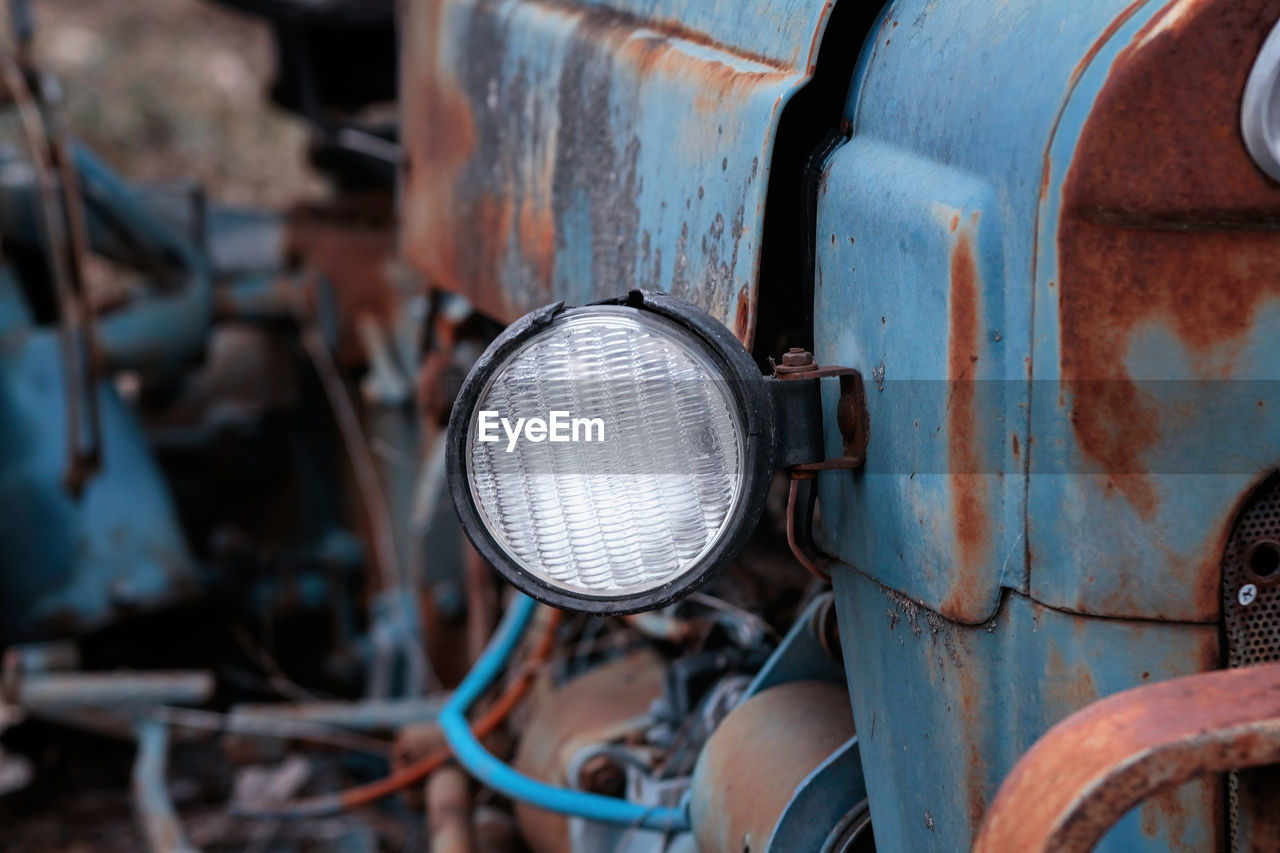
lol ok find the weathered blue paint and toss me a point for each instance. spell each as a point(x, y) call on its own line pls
point(942, 493)
point(1160, 400)
point(926, 255)
point(540, 141)
point(988, 536)
point(70, 564)
point(164, 327)
point(161, 331)
point(944, 710)
point(939, 226)
point(800, 656)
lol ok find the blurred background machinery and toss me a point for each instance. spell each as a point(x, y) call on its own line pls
point(249, 251)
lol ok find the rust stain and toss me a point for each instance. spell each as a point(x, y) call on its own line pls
point(1068, 688)
point(1090, 55)
point(744, 320)
point(508, 168)
point(1080, 67)
point(668, 27)
point(1166, 223)
point(1165, 814)
point(811, 63)
point(1107, 34)
point(972, 527)
point(971, 698)
point(659, 56)
point(538, 237)
point(439, 137)
point(1017, 447)
point(975, 781)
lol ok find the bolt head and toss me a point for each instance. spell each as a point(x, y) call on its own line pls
point(797, 357)
point(602, 774)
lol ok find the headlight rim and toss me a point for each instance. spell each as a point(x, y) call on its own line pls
point(755, 410)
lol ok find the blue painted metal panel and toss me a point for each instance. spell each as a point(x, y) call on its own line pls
point(1110, 210)
point(944, 710)
point(540, 156)
point(1128, 445)
point(70, 564)
point(912, 292)
point(926, 239)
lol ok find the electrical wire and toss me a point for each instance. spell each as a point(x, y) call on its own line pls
point(327, 805)
point(499, 776)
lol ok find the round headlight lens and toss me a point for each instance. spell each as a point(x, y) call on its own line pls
point(608, 455)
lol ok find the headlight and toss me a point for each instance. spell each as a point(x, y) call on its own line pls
point(610, 458)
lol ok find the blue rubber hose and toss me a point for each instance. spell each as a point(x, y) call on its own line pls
point(497, 775)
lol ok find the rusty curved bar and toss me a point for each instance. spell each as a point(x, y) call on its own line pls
point(1079, 779)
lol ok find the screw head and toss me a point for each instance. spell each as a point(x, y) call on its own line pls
point(1247, 594)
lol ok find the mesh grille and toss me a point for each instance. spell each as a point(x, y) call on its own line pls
point(1252, 630)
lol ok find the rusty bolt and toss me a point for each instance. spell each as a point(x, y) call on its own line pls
point(797, 357)
point(793, 361)
point(602, 774)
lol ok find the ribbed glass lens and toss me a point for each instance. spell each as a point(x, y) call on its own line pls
point(628, 463)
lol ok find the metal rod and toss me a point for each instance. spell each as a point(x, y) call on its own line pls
point(157, 818)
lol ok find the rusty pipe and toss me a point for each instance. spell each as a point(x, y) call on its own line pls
point(1090, 769)
point(449, 811)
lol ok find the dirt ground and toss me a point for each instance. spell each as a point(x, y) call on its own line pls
point(167, 89)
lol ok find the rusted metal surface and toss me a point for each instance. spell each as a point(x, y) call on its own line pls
point(797, 361)
point(1093, 767)
point(945, 710)
point(939, 521)
point(756, 759)
point(850, 422)
point(800, 527)
point(539, 163)
point(970, 516)
point(1010, 432)
point(1163, 269)
point(601, 706)
point(351, 244)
